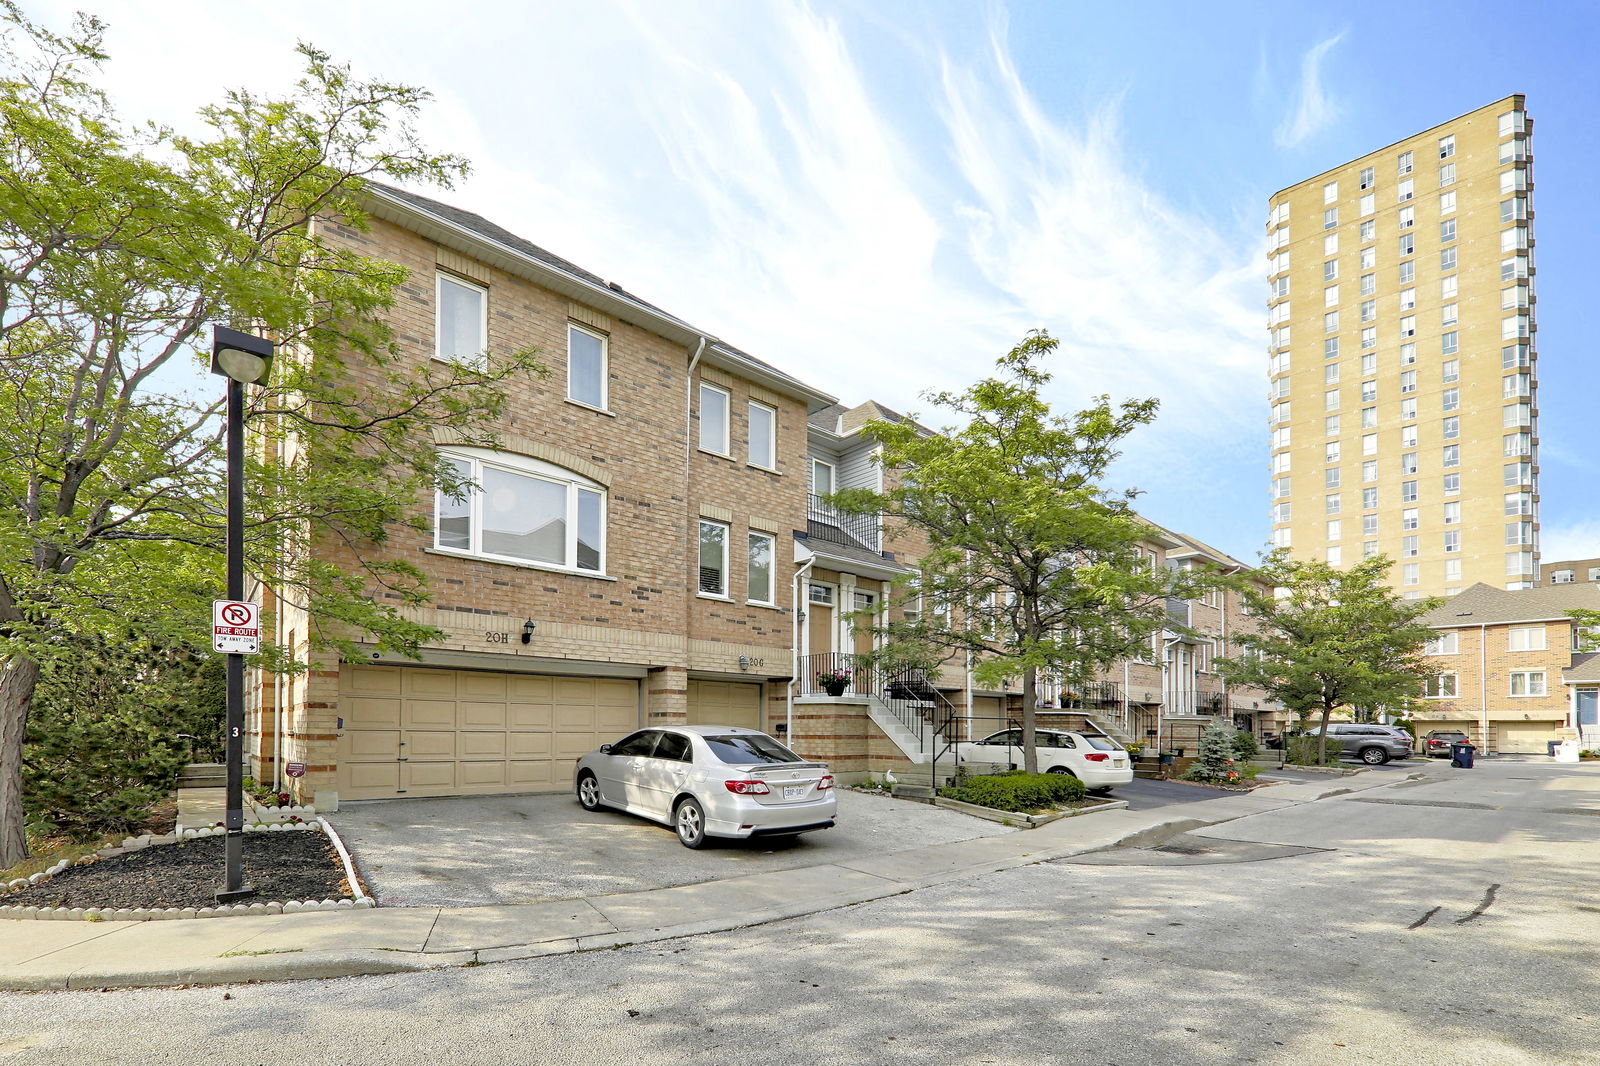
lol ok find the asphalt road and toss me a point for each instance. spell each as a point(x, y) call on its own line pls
point(1450, 921)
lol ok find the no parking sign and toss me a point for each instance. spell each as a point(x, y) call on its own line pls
point(235, 627)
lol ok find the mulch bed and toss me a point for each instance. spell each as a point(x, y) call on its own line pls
point(281, 867)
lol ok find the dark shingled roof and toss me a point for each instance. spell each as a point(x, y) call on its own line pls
point(1583, 668)
point(1482, 604)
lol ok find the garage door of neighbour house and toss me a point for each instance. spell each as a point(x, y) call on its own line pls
point(724, 703)
point(423, 732)
point(1531, 738)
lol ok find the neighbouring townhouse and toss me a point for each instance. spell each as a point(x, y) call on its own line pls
point(1506, 667)
point(650, 543)
point(895, 721)
point(1569, 571)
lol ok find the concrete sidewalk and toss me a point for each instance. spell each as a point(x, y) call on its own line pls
point(62, 954)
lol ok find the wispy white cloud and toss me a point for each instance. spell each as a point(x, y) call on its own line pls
point(1574, 540)
point(877, 222)
point(1313, 111)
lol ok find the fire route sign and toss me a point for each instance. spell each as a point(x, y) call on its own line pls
point(235, 627)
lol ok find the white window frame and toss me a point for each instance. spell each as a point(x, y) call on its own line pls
point(605, 367)
point(700, 547)
point(726, 448)
point(535, 469)
point(772, 567)
point(1444, 644)
point(1527, 638)
point(771, 435)
point(833, 477)
point(441, 278)
point(1532, 682)
point(1442, 690)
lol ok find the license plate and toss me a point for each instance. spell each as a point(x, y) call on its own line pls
point(794, 792)
point(1117, 762)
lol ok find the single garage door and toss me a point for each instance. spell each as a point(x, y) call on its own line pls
point(724, 703)
point(423, 732)
point(1526, 738)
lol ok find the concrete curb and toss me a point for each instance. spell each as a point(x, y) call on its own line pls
point(378, 941)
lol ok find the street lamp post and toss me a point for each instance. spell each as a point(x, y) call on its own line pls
point(240, 358)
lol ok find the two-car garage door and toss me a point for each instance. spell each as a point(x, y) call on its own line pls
point(427, 732)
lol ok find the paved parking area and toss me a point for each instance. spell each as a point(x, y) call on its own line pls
point(470, 851)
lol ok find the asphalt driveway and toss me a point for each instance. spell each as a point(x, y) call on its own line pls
point(476, 851)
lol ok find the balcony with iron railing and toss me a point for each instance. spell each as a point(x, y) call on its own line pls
point(827, 522)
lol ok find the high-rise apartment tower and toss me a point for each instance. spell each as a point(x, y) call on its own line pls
point(1403, 372)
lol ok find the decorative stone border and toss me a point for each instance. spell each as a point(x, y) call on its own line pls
point(1024, 820)
point(361, 900)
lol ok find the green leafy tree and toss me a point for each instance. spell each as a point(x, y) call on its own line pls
point(120, 245)
point(1032, 564)
point(1333, 638)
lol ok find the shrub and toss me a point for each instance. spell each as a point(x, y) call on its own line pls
point(103, 744)
point(1217, 761)
point(1017, 791)
point(1245, 746)
point(1302, 751)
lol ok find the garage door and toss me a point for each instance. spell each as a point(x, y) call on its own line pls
point(1526, 738)
point(724, 703)
point(421, 732)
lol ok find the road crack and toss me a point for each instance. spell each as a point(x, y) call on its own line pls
point(1485, 904)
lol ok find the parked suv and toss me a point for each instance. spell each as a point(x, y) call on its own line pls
point(1438, 741)
point(1372, 744)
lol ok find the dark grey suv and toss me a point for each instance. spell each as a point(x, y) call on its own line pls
point(1372, 744)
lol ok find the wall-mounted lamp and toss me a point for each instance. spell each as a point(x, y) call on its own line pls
point(744, 662)
point(527, 631)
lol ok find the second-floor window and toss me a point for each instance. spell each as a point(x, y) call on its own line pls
point(713, 558)
point(763, 436)
point(762, 551)
point(714, 419)
point(461, 329)
point(586, 366)
point(523, 510)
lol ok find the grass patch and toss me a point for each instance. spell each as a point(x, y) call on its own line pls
point(45, 851)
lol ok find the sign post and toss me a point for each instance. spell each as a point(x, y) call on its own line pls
point(236, 623)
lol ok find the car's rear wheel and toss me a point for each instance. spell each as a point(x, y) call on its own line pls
point(690, 822)
point(1060, 770)
point(588, 793)
point(1374, 756)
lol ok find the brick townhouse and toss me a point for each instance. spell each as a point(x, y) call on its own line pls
point(625, 560)
point(635, 551)
point(1505, 668)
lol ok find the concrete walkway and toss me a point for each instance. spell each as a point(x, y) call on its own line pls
point(67, 954)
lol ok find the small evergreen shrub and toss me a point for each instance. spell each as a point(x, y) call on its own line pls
point(1217, 761)
point(1016, 791)
point(1245, 746)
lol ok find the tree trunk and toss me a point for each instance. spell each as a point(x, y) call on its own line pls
point(18, 678)
point(1030, 741)
point(1322, 736)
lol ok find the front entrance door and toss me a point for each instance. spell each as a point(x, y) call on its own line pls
point(819, 619)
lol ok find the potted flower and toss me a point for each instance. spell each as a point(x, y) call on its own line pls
point(834, 681)
point(1135, 750)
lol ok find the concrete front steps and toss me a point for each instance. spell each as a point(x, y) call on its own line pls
point(203, 775)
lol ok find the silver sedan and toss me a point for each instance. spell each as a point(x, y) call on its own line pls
point(709, 781)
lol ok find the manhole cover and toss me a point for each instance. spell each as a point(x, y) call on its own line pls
point(1190, 849)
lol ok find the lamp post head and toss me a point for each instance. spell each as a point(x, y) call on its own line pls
point(527, 631)
point(239, 356)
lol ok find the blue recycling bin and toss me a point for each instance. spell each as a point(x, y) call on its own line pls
point(1461, 756)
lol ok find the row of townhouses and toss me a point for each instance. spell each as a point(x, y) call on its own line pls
point(651, 544)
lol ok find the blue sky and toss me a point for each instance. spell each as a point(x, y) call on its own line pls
point(882, 197)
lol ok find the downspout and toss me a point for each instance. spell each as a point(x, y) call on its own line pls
point(691, 509)
point(800, 576)
point(1483, 685)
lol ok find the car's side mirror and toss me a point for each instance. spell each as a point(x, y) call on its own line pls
point(605, 749)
